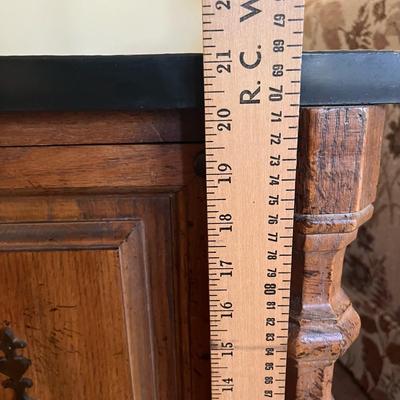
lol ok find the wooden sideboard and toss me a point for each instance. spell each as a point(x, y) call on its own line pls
point(103, 253)
point(103, 249)
point(96, 239)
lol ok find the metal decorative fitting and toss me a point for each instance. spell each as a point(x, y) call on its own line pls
point(14, 365)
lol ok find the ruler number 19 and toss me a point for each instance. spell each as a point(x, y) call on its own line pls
point(226, 173)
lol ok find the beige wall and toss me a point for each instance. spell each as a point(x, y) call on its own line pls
point(60, 27)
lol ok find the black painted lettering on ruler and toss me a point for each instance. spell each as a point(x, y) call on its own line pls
point(223, 4)
point(250, 96)
point(252, 11)
point(250, 65)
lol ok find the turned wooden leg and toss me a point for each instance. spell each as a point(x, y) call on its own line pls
point(339, 153)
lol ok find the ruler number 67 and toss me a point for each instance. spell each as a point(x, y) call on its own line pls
point(280, 20)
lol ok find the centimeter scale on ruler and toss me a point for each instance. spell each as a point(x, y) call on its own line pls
point(252, 67)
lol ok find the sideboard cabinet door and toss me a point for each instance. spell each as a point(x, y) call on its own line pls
point(95, 248)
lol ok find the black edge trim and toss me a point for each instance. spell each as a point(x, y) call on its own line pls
point(350, 78)
point(174, 81)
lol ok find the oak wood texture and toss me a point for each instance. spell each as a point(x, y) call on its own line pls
point(119, 232)
point(338, 165)
point(106, 168)
point(64, 333)
point(73, 128)
point(95, 260)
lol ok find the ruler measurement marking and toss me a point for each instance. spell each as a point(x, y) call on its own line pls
point(213, 30)
point(249, 78)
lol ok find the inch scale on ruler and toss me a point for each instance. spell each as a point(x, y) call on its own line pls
point(252, 67)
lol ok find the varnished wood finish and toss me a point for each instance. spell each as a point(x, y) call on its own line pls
point(105, 168)
point(68, 322)
point(95, 275)
point(90, 219)
point(191, 229)
point(73, 128)
point(339, 152)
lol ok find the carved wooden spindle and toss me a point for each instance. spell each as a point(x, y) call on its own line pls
point(13, 365)
point(339, 153)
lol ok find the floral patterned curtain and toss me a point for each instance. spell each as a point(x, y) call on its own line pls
point(372, 271)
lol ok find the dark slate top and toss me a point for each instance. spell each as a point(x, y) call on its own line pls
point(174, 81)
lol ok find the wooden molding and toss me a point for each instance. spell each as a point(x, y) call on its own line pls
point(65, 235)
point(126, 235)
point(139, 314)
point(136, 229)
point(97, 168)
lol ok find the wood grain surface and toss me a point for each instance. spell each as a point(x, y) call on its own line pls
point(65, 304)
point(104, 168)
point(338, 165)
point(74, 128)
point(87, 227)
point(136, 296)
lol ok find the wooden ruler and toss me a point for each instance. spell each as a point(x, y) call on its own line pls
point(252, 66)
